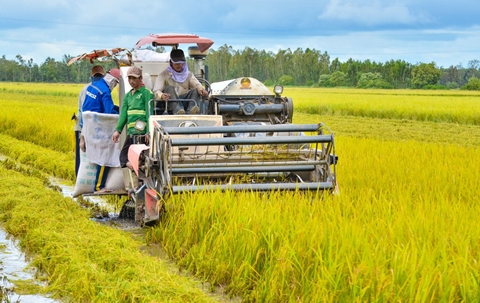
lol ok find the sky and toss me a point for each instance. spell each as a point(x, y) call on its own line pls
point(416, 31)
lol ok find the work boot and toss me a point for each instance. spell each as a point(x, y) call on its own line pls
point(180, 112)
point(194, 110)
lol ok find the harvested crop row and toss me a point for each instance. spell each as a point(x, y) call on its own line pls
point(82, 260)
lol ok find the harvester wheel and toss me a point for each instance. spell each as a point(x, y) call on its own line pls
point(320, 174)
point(128, 210)
point(151, 173)
point(289, 110)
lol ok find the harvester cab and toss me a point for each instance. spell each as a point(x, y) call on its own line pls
point(243, 139)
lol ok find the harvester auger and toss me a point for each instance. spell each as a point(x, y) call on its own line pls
point(239, 157)
point(243, 139)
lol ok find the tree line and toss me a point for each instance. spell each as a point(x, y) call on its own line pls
point(309, 67)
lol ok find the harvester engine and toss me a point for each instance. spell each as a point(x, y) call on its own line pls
point(248, 100)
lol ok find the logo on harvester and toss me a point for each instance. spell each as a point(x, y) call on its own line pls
point(187, 124)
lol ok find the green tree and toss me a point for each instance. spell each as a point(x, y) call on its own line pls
point(218, 63)
point(372, 80)
point(351, 68)
point(450, 75)
point(452, 85)
point(49, 70)
point(286, 80)
point(306, 66)
point(325, 81)
point(473, 84)
point(338, 78)
point(283, 62)
point(22, 68)
point(335, 65)
point(397, 73)
point(324, 62)
point(425, 74)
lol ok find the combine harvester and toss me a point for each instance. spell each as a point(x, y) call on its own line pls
point(243, 138)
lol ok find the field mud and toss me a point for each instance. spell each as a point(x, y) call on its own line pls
point(14, 266)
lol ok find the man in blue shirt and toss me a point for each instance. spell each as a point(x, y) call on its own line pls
point(98, 98)
point(97, 72)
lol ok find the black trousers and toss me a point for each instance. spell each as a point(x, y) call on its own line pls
point(131, 139)
point(77, 151)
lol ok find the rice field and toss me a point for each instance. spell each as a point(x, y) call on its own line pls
point(451, 106)
point(403, 228)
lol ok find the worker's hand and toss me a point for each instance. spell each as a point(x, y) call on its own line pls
point(147, 139)
point(115, 136)
point(203, 92)
point(82, 144)
point(161, 96)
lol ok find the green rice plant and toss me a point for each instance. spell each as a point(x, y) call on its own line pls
point(42, 120)
point(49, 89)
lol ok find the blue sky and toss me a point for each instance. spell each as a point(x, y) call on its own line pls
point(446, 32)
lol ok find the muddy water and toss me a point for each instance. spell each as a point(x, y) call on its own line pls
point(113, 210)
point(67, 191)
point(14, 266)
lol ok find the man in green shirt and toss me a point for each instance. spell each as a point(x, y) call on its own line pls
point(134, 114)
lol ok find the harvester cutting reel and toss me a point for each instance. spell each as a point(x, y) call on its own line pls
point(239, 157)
